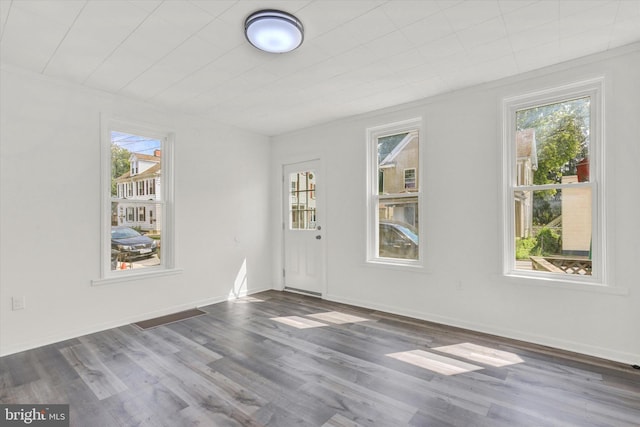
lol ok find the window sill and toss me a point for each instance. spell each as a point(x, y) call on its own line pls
point(379, 263)
point(572, 285)
point(136, 276)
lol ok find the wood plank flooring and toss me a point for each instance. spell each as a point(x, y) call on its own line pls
point(282, 359)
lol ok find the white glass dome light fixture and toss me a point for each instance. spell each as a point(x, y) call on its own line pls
point(274, 31)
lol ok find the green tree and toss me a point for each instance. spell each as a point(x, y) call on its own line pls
point(119, 165)
point(562, 135)
point(561, 143)
point(562, 140)
point(547, 243)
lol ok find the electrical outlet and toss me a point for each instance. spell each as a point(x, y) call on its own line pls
point(18, 303)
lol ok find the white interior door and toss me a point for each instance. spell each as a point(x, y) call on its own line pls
point(303, 229)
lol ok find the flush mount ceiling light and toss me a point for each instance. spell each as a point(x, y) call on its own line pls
point(273, 31)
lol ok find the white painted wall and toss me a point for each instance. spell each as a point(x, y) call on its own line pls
point(50, 213)
point(463, 284)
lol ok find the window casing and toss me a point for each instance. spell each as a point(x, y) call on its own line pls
point(128, 211)
point(394, 196)
point(553, 199)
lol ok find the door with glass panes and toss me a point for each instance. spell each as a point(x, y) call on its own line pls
point(303, 229)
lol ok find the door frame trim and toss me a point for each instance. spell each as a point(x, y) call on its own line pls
point(322, 195)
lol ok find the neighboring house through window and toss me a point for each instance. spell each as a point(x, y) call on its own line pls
point(302, 201)
point(394, 194)
point(138, 200)
point(553, 184)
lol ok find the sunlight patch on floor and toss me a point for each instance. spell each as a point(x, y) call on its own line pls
point(337, 317)
point(434, 362)
point(298, 322)
point(481, 354)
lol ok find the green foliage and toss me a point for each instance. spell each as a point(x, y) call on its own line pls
point(119, 165)
point(547, 243)
point(524, 247)
point(559, 146)
point(562, 140)
point(546, 206)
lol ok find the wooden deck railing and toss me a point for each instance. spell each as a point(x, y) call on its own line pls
point(558, 264)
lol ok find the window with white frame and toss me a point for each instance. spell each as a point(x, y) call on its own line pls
point(410, 178)
point(302, 200)
point(553, 184)
point(394, 197)
point(137, 226)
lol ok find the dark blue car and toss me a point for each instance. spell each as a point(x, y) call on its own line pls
point(131, 245)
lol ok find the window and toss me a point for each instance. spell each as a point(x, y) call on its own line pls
point(410, 178)
point(553, 203)
point(302, 203)
point(137, 226)
point(394, 194)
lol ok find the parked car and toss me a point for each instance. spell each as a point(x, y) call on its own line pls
point(398, 240)
point(132, 245)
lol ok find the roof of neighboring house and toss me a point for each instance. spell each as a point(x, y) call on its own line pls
point(147, 157)
point(386, 144)
point(151, 172)
point(526, 145)
point(398, 148)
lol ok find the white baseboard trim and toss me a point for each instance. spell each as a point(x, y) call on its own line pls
point(52, 339)
point(586, 349)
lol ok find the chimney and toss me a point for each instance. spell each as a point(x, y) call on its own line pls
point(156, 153)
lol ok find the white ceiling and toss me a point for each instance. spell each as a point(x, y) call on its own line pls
point(358, 55)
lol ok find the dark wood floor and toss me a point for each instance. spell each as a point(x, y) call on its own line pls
point(283, 359)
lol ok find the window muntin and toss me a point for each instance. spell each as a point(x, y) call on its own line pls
point(394, 198)
point(554, 209)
